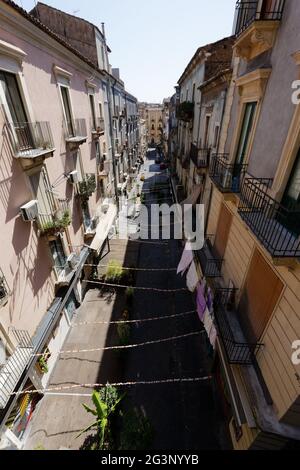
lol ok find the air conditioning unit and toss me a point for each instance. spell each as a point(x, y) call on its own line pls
point(73, 261)
point(105, 206)
point(30, 211)
point(73, 177)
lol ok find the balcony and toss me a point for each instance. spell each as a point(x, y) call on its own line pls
point(185, 111)
point(55, 223)
point(227, 177)
point(276, 227)
point(98, 127)
point(4, 289)
point(257, 23)
point(238, 349)
point(200, 157)
point(103, 169)
point(11, 371)
point(211, 264)
point(75, 133)
point(32, 141)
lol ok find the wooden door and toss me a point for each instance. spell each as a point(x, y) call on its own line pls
point(223, 228)
point(259, 298)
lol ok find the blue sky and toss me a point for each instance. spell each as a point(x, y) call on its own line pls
point(153, 40)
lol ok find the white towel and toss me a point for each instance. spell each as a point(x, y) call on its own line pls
point(192, 278)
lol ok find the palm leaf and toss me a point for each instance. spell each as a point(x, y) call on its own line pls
point(87, 429)
point(89, 410)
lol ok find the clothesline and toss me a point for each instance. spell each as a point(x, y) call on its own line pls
point(52, 390)
point(154, 289)
point(144, 320)
point(129, 346)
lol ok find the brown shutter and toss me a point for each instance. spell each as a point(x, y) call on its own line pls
point(259, 298)
point(224, 224)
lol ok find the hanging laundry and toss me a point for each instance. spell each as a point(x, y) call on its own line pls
point(209, 299)
point(192, 278)
point(213, 336)
point(186, 259)
point(208, 322)
point(201, 303)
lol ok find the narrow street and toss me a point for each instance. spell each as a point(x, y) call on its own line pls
point(183, 416)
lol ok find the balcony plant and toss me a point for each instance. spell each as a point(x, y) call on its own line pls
point(86, 188)
point(43, 365)
point(185, 111)
point(56, 226)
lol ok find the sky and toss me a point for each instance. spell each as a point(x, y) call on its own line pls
point(152, 41)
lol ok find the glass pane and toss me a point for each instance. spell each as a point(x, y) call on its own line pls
point(67, 108)
point(292, 193)
point(58, 255)
point(92, 105)
point(245, 132)
point(13, 98)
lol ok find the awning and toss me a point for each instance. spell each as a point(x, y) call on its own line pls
point(103, 228)
point(193, 197)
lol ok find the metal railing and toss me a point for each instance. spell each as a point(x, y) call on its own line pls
point(200, 157)
point(58, 219)
point(211, 264)
point(75, 128)
point(27, 137)
point(98, 125)
point(227, 177)
point(238, 352)
point(4, 289)
point(276, 226)
point(12, 370)
point(248, 12)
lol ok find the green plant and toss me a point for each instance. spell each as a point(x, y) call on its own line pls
point(57, 225)
point(87, 187)
point(137, 432)
point(42, 361)
point(114, 272)
point(103, 410)
point(123, 330)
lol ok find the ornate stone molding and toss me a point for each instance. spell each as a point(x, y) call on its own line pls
point(256, 39)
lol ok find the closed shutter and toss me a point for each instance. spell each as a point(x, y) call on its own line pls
point(224, 224)
point(260, 296)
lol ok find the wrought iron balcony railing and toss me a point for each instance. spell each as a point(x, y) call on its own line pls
point(276, 227)
point(248, 12)
point(211, 264)
point(11, 371)
point(200, 157)
point(57, 220)
point(75, 131)
point(31, 139)
point(98, 126)
point(227, 177)
point(185, 111)
point(238, 350)
point(4, 289)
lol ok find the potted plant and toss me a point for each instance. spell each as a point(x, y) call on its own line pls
point(57, 225)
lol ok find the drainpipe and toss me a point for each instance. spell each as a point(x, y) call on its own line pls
point(110, 115)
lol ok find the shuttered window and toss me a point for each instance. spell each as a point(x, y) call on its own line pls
point(223, 228)
point(260, 296)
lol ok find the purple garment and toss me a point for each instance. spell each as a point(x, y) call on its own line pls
point(201, 303)
point(209, 299)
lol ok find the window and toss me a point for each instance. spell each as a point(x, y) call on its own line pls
point(245, 132)
point(193, 95)
point(291, 200)
point(93, 112)
point(100, 110)
point(58, 255)
point(87, 220)
point(216, 136)
point(67, 110)
point(98, 153)
point(43, 193)
point(206, 133)
point(11, 99)
point(4, 291)
point(78, 165)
